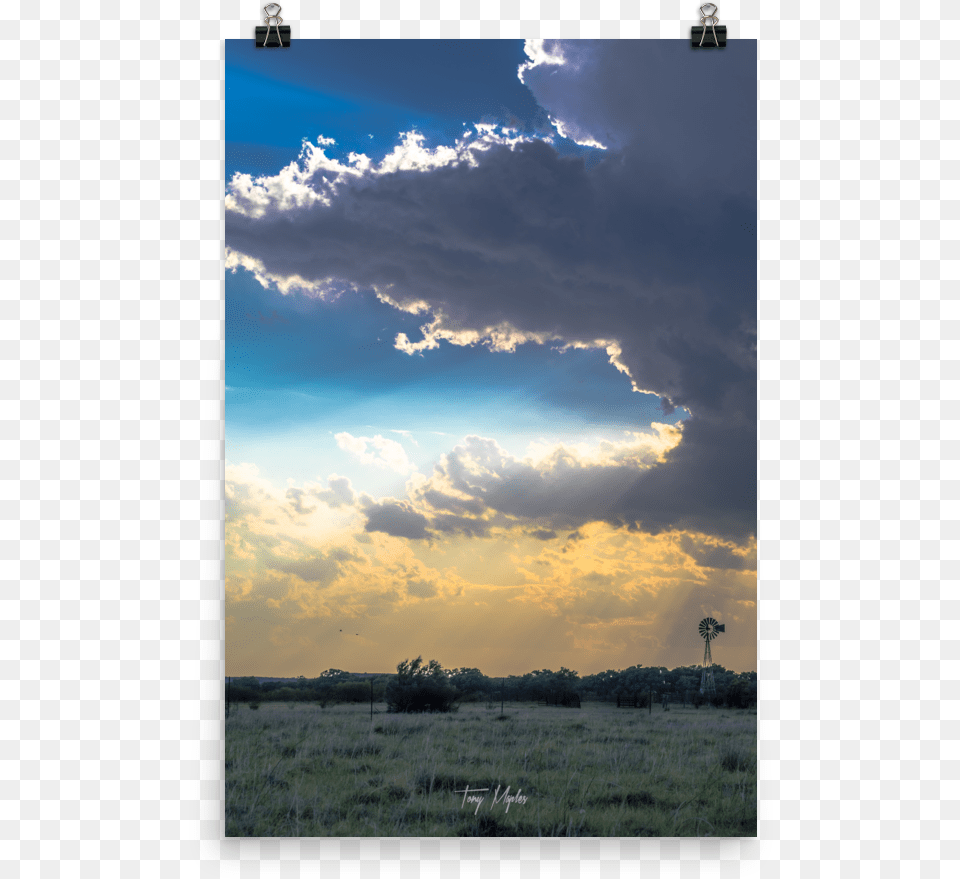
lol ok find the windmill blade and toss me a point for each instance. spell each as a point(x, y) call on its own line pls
point(708, 628)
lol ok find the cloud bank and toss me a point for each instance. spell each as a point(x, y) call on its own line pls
point(500, 240)
point(656, 99)
point(479, 486)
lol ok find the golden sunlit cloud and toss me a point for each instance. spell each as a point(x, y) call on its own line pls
point(303, 574)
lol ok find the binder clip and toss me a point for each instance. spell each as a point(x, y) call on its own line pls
point(707, 35)
point(275, 34)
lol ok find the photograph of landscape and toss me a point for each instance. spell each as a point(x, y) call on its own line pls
point(491, 439)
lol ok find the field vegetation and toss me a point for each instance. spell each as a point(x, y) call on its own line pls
point(296, 769)
point(671, 685)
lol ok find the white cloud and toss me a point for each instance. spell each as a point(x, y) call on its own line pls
point(639, 450)
point(315, 178)
point(558, 485)
point(502, 337)
point(479, 486)
point(541, 53)
point(552, 61)
point(376, 451)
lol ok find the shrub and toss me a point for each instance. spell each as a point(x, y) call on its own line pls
point(354, 691)
point(254, 706)
point(418, 688)
point(425, 694)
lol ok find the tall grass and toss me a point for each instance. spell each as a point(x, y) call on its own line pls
point(593, 772)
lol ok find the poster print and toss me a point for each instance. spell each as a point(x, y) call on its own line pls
point(490, 439)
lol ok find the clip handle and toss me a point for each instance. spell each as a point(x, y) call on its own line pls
point(708, 19)
point(273, 22)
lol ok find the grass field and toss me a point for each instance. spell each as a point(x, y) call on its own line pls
point(300, 770)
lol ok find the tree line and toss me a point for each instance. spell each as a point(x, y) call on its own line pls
point(420, 686)
point(332, 687)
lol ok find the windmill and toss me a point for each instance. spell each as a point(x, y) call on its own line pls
point(709, 629)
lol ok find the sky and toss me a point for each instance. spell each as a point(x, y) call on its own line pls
point(490, 354)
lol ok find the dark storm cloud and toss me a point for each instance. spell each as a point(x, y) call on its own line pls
point(561, 489)
point(397, 518)
point(541, 534)
point(690, 114)
point(651, 252)
point(468, 526)
point(716, 555)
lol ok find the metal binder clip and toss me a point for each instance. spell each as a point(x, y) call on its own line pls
point(274, 21)
point(719, 34)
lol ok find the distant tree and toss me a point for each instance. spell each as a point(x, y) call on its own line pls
point(470, 683)
point(350, 691)
point(419, 687)
point(245, 690)
point(740, 692)
point(601, 686)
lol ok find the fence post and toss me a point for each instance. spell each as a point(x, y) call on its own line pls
point(371, 698)
point(501, 697)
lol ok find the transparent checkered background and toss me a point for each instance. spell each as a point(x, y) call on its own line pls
point(111, 169)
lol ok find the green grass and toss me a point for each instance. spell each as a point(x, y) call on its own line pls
point(598, 771)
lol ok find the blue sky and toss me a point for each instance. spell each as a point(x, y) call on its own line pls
point(298, 371)
point(363, 93)
point(490, 353)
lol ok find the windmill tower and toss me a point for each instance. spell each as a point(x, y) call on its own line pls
point(709, 629)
